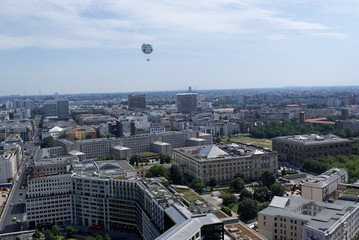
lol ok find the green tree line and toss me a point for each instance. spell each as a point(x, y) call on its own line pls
point(320, 165)
point(287, 128)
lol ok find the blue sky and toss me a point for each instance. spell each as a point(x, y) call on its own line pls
point(84, 46)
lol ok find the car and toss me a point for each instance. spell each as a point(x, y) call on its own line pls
point(14, 219)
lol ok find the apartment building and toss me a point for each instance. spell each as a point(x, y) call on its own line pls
point(8, 164)
point(23, 127)
point(294, 218)
point(296, 149)
point(322, 187)
point(224, 162)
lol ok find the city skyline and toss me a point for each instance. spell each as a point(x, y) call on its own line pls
point(95, 46)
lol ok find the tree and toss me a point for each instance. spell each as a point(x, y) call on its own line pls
point(165, 158)
point(267, 178)
point(49, 235)
point(90, 238)
point(277, 189)
point(107, 237)
point(261, 194)
point(176, 175)
point(228, 199)
point(197, 185)
point(247, 209)
point(134, 159)
point(157, 171)
point(212, 182)
point(36, 235)
point(98, 237)
point(48, 142)
point(63, 135)
point(56, 230)
point(246, 194)
point(70, 231)
point(237, 185)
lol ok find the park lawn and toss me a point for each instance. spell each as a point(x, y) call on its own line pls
point(263, 143)
point(189, 195)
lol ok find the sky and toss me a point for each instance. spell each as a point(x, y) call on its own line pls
point(84, 46)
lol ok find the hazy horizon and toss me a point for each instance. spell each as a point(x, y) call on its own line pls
point(74, 47)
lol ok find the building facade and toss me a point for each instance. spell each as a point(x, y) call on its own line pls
point(187, 102)
point(222, 163)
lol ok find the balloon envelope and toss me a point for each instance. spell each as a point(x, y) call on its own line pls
point(147, 48)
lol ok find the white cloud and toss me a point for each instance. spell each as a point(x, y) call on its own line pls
point(76, 24)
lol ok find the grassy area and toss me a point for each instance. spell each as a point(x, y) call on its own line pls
point(263, 143)
point(189, 195)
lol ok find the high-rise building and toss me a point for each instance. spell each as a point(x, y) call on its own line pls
point(58, 108)
point(137, 101)
point(301, 117)
point(63, 109)
point(187, 102)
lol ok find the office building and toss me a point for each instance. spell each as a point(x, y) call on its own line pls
point(107, 195)
point(137, 101)
point(49, 193)
point(94, 148)
point(63, 111)
point(322, 187)
point(187, 102)
point(8, 164)
point(58, 108)
point(295, 218)
point(295, 149)
point(224, 162)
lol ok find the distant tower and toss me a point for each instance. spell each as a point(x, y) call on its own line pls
point(301, 117)
point(187, 102)
point(137, 101)
point(189, 89)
